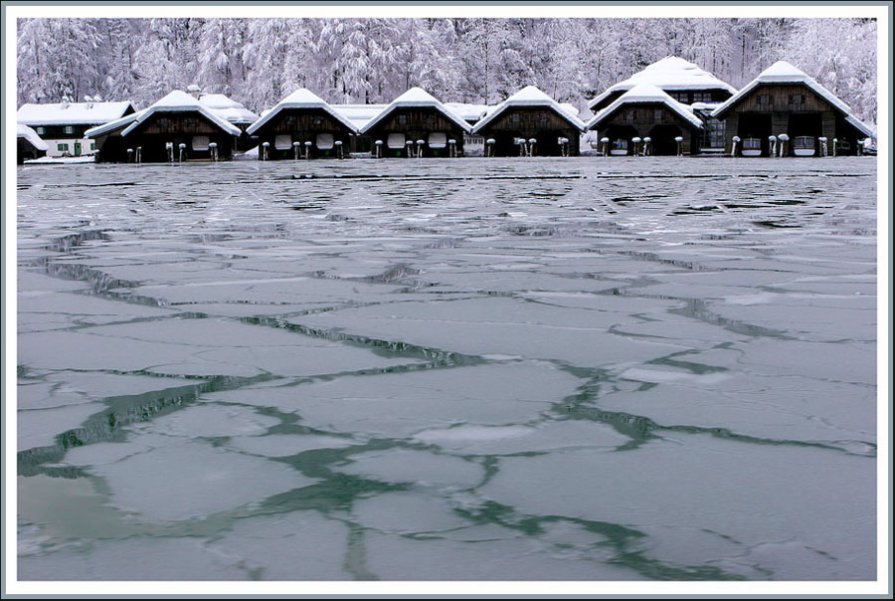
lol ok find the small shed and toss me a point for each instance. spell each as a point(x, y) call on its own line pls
point(647, 120)
point(416, 124)
point(176, 128)
point(63, 125)
point(28, 144)
point(785, 100)
point(530, 122)
point(303, 125)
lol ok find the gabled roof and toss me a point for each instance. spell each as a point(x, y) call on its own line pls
point(178, 102)
point(783, 72)
point(301, 99)
point(229, 109)
point(416, 98)
point(532, 97)
point(23, 131)
point(670, 73)
point(645, 93)
point(71, 113)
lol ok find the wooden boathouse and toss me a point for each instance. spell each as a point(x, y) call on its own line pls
point(177, 128)
point(647, 121)
point(530, 123)
point(303, 126)
point(416, 124)
point(784, 112)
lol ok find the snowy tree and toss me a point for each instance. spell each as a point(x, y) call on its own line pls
point(258, 61)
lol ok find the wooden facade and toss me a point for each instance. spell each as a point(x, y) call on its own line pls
point(314, 125)
point(794, 109)
point(411, 124)
point(542, 123)
point(654, 120)
point(190, 128)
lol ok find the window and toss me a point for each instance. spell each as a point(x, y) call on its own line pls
point(69, 129)
point(40, 131)
point(713, 133)
point(514, 118)
point(93, 146)
point(62, 147)
point(402, 119)
point(765, 101)
point(631, 115)
point(681, 97)
point(657, 115)
point(796, 100)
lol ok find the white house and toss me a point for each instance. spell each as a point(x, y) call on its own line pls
point(62, 125)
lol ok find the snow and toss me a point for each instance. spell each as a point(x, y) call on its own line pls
point(301, 98)
point(470, 112)
point(529, 96)
point(783, 72)
point(416, 98)
point(229, 109)
point(74, 113)
point(358, 114)
point(61, 160)
point(112, 126)
point(644, 93)
point(179, 101)
point(23, 131)
point(669, 74)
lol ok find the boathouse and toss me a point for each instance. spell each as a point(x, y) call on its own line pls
point(682, 80)
point(176, 128)
point(303, 125)
point(416, 124)
point(530, 123)
point(686, 83)
point(28, 144)
point(647, 121)
point(784, 112)
point(63, 125)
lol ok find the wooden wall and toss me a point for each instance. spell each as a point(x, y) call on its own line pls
point(541, 123)
point(643, 119)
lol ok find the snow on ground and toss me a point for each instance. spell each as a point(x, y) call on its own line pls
point(549, 369)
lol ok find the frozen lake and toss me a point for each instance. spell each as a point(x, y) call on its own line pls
point(547, 369)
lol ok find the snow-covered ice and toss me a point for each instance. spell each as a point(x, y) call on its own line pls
point(547, 369)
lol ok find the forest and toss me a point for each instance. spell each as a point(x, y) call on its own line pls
point(258, 61)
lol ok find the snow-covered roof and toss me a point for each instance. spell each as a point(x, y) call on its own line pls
point(645, 93)
point(177, 102)
point(670, 73)
point(783, 72)
point(470, 112)
point(533, 97)
point(71, 113)
point(229, 109)
point(358, 114)
point(23, 131)
point(302, 99)
point(416, 98)
point(111, 126)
